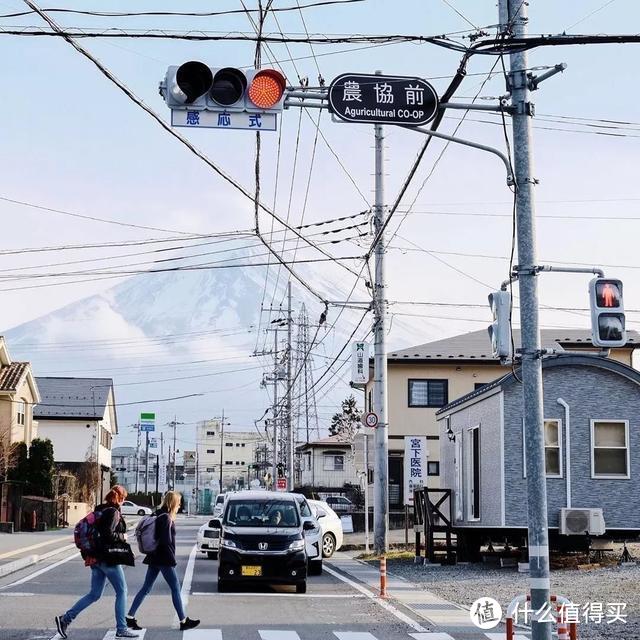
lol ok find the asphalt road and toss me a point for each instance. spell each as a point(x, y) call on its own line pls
point(331, 608)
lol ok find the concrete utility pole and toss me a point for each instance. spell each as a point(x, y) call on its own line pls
point(221, 448)
point(274, 469)
point(290, 438)
point(381, 438)
point(514, 22)
point(137, 426)
point(146, 463)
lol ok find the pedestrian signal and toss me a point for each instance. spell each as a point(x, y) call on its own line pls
point(607, 313)
point(194, 86)
point(500, 328)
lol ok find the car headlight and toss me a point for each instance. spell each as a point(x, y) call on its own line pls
point(229, 544)
point(296, 545)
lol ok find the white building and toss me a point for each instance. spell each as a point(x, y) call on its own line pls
point(78, 415)
point(234, 451)
point(328, 463)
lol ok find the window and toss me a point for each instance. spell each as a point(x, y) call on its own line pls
point(333, 462)
point(105, 438)
point(211, 433)
point(228, 461)
point(211, 450)
point(22, 411)
point(210, 469)
point(553, 448)
point(609, 449)
point(433, 468)
point(237, 444)
point(428, 393)
point(228, 444)
point(243, 444)
point(237, 462)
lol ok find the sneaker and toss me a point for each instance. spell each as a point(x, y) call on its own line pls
point(132, 623)
point(189, 624)
point(61, 625)
point(125, 633)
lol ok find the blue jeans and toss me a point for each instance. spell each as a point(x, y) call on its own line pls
point(171, 578)
point(100, 573)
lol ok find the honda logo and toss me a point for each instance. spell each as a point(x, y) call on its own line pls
point(263, 546)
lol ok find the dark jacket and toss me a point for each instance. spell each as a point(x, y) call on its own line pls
point(165, 553)
point(111, 529)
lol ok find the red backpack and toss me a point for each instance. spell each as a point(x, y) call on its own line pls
point(85, 534)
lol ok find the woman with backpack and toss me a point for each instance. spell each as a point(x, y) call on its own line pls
point(105, 550)
point(162, 559)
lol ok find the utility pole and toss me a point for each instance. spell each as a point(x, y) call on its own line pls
point(514, 22)
point(137, 426)
point(381, 438)
point(146, 463)
point(221, 448)
point(290, 434)
point(274, 474)
point(174, 424)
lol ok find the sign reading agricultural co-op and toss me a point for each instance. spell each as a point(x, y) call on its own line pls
point(383, 99)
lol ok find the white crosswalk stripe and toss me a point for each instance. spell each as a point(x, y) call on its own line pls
point(202, 634)
point(500, 636)
point(111, 634)
point(434, 635)
point(274, 634)
point(353, 635)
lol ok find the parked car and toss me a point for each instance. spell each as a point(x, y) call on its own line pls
point(340, 504)
point(131, 509)
point(262, 540)
point(218, 507)
point(209, 540)
point(330, 525)
point(312, 537)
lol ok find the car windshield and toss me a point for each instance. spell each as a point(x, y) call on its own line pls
point(261, 513)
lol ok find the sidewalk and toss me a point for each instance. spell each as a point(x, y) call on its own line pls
point(446, 620)
point(17, 545)
point(396, 536)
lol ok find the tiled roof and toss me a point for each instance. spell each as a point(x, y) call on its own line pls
point(331, 440)
point(73, 397)
point(11, 375)
point(477, 346)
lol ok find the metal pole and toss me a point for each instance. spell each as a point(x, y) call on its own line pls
point(366, 493)
point(221, 448)
point(290, 438)
point(137, 455)
point(381, 476)
point(162, 458)
point(175, 422)
point(274, 474)
point(146, 463)
point(157, 473)
point(516, 13)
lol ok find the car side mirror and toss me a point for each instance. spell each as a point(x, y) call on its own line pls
point(308, 526)
point(215, 523)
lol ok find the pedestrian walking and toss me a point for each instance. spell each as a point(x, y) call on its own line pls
point(102, 538)
point(162, 560)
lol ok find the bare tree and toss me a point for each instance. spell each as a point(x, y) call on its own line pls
point(8, 451)
point(88, 478)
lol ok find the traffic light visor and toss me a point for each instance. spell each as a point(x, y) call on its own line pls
point(267, 88)
point(193, 79)
point(228, 86)
point(608, 294)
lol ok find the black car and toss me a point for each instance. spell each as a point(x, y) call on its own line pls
point(262, 541)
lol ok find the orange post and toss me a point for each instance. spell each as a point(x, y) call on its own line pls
point(383, 576)
point(509, 628)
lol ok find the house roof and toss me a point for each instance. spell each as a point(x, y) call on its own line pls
point(335, 441)
point(80, 398)
point(12, 375)
point(570, 359)
point(476, 345)
point(123, 451)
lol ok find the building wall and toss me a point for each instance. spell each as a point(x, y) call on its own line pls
point(314, 474)
point(591, 394)
point(487, 415)
point(9, 407)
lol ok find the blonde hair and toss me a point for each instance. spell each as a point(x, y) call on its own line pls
point(171, 502)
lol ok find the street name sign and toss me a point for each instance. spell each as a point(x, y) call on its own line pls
point(198, 119)
point(382, 99)
point(147, 422)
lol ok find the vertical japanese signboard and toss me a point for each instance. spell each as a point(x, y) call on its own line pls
point(415, 466)
point(360, 363)
point(162, 473)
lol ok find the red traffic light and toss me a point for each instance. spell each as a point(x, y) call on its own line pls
point(267, 88)
point(608, 294)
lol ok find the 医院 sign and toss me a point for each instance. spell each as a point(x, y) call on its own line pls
point(359, 363)
point(415, 465)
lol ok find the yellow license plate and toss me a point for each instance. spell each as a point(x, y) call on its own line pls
point(251, 570)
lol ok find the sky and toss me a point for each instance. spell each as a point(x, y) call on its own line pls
point(72, 141)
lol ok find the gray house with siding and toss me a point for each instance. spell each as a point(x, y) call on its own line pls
point(592, 449)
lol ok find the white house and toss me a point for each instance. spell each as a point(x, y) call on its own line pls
point(327, 464)
point(78, 415)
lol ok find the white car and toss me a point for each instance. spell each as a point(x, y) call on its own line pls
point(129, 508)
point(209, 540)
point(312, 537)
point(331, 526)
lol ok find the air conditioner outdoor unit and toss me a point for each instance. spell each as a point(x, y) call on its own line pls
point(578, 522)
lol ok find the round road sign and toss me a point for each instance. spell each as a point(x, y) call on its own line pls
point(371, 420)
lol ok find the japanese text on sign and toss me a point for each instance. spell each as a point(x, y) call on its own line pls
point(415, 466)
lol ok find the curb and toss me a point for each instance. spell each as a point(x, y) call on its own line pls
point(17, 565)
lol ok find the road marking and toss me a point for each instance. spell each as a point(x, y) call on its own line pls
point(436, 636)
point(202, 634)
point(273, 634)
point(385, 605)
point(16, 594)
point(336, 596)
point(111, 634)
point(55, 552)
point(500, 636)
point(39, 573)
point(353, 635)
point(8, 554)
point(186, 583)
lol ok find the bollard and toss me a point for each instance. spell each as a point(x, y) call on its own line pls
point(383, 576)
point(566, 631)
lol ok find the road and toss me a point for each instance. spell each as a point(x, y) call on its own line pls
point(331, 608)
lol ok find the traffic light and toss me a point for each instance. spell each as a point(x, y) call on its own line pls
point(607, 313)
point(194, 86)
point(280, 469)
point(500, 329)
